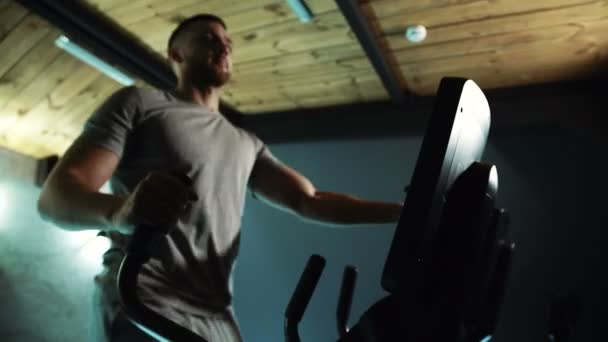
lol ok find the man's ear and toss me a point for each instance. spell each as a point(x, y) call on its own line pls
point(175, 56)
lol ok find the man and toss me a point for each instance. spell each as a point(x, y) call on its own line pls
point(141, 138)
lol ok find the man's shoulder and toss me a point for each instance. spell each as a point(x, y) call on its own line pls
point(144, 92)
point(141, 91)
point(142, 97)
point(258, 143)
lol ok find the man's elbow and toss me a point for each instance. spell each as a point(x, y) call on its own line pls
point(49, 202)
point(44, 206)
point(305, 205)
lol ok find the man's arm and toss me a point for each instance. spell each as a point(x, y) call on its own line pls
point(287, 189)
point(70, 196)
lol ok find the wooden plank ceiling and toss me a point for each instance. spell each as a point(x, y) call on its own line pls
point(498, 43)
point(281, 64)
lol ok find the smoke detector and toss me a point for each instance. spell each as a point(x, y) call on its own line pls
point(415, 33)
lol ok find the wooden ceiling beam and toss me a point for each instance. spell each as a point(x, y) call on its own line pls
point(369, 42)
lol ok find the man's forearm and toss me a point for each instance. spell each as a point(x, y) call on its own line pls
point(70, 207)
point(328, 207)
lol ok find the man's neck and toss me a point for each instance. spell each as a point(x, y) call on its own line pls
point(208, 97)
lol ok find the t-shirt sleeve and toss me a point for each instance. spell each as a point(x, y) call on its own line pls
point(264, 155)
point(110, 125)
point(261, 149)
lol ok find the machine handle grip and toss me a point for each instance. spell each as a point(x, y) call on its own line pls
point(349, 279)
point(301, 296)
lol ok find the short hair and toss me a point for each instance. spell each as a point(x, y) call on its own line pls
point(186, 22)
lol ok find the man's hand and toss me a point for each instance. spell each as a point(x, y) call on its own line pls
point(157, 201)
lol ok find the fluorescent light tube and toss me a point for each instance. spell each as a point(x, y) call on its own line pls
point(72, 48)
point(301, 10)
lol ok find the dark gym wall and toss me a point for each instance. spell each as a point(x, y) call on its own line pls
point(552, 183)
point(550, 180)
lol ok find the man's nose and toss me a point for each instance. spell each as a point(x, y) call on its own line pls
point(222, 47)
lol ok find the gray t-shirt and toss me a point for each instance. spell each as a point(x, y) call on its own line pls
point(150, 129)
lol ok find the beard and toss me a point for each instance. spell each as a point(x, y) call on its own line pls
point(205, 75)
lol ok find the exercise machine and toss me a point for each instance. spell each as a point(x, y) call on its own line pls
point(450, 257)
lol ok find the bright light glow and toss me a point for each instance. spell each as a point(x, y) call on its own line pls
point(82, 248)
point(78, 238)
point(72, 48)
point(91, 252)
point(301, 10)
point(486, 339)
point(4, 204)
point(106, 188)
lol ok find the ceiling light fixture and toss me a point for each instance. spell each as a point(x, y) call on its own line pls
point(415, 33)
point(301, 10)
point(87, 57)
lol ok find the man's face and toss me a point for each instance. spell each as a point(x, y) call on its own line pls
point(207, 54)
